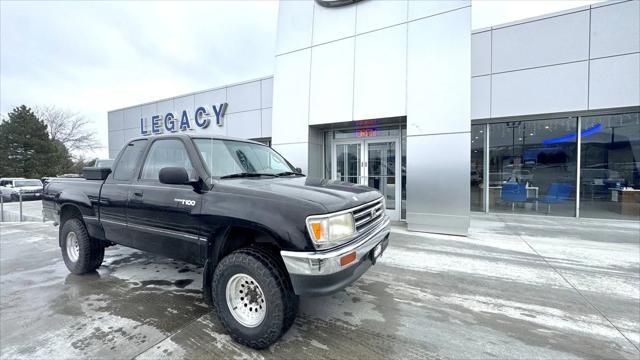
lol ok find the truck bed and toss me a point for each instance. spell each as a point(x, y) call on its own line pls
point(79, 189)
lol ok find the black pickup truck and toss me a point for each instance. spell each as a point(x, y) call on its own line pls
point(264, 232)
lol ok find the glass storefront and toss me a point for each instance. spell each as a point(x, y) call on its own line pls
point(403, 173)
point(533, 166)
point(381, 169)
point(371, 156)
point(610, 166)
point(477, 166)
point(348, 162)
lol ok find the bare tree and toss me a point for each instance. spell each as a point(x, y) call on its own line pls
point(68, 127)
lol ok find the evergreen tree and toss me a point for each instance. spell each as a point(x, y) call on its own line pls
point(26, 149)
point(61, 160)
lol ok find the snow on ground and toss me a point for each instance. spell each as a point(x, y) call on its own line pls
point(516, 287)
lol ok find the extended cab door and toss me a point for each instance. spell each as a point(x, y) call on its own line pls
point(162, 218)
point(114, 195)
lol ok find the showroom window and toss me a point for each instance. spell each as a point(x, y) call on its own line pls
point(610, 166)
point(532, 167)
point(477, 167)
point(403, 166)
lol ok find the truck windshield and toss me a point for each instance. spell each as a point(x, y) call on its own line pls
point(22, 183)
point(229, 157)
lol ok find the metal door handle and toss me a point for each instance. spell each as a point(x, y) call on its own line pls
point(138, 193)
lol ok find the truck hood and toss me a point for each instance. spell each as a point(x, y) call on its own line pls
point(330, 194)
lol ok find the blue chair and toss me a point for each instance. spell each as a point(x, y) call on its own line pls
point(557, 193)
point(513, 192)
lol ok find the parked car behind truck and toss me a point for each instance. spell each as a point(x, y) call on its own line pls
point(13, 188)
point(264, 232)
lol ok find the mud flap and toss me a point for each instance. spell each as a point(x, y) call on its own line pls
point(207, 277)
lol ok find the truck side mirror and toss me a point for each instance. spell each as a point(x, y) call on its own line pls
point(174, 176)
point(298, 170)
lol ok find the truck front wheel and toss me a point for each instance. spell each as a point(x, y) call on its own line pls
point(253, 297)
point(81, 254)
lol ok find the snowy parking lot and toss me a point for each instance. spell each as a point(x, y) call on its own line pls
point(515, 288)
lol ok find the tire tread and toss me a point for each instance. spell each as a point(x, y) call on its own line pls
point(87, 260)
point(280, 324)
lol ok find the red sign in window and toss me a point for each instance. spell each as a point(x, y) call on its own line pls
point(370, 132)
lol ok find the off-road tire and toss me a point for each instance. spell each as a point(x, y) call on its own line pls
point(99, 257)
point(91, 252)
point(282, 303)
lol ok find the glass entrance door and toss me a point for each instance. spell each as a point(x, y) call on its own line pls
point(382, 173)
point(374, 163)
point(348, 163)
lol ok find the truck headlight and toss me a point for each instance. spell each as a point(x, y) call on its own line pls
point(329, 231)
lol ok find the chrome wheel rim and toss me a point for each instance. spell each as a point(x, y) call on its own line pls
point(73, 248)
point(245, 300)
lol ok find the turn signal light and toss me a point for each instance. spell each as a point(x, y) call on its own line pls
point(347, 259)
point(317, 230)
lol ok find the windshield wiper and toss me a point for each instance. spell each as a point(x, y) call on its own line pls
point(245, 174)
point(285, 173)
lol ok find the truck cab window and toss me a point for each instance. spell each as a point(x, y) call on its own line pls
point(166, 153)
point(127, 163)
point(225, 157)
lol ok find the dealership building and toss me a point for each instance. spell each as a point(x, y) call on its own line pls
point(535, 117)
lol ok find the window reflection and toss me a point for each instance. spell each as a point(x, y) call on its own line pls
point(166, 153)
point(348, 162)
point(477, 167)
point(532, 166)
point(610, 166)
point(381, 160)
point(403, 167)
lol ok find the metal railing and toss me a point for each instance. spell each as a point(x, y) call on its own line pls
point(20, 211)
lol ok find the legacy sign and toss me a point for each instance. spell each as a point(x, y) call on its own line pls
point(171, 122)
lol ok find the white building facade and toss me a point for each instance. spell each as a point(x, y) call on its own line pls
point(401, 96)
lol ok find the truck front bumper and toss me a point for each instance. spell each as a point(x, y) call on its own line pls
point(320, 273)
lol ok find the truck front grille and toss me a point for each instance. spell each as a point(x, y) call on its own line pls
point(31, 191)
point(368, 215)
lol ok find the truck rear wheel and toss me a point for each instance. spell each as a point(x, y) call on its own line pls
point(81, 254)
point(253, 297)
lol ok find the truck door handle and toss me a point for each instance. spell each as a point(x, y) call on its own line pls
point(137, 193)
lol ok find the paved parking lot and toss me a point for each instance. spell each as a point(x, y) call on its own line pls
point(515, 288)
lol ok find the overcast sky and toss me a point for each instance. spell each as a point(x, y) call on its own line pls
point(95, 57)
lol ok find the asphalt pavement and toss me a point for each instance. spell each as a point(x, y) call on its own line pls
point(517, 287)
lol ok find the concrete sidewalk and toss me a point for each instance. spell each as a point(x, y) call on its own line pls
point(515, 288)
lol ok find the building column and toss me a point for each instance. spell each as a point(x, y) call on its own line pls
point(439, 123)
